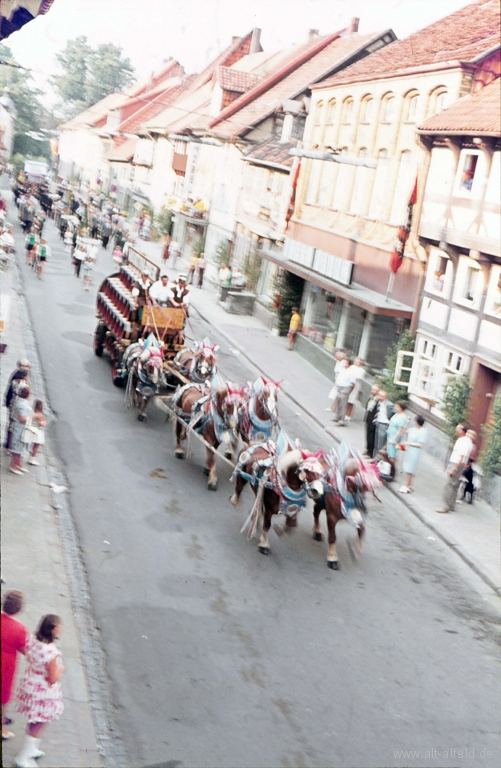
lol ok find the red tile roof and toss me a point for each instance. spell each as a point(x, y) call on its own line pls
point(462, 36)
point(124, 152)
point(152, 106)
point(478, 113)
point(96, 113)
point(299, 72)
point(235, 80)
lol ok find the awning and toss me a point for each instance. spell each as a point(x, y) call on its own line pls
point(192, 219)
point(357, 294)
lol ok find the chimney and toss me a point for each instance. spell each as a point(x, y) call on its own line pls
point(312, 34)
point(353, 28)
point(255, 44)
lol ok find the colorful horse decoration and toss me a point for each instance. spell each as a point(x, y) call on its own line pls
point(142, 363)
point(347, 477)
point(258, 417)
point(212, 414)
point(282, 484)
point(198, 364)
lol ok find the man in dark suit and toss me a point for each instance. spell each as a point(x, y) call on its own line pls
point(369, 416)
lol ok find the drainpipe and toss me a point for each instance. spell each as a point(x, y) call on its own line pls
point(427, 146)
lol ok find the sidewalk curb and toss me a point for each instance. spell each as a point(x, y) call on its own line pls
point(448, 540)
point(109, 742)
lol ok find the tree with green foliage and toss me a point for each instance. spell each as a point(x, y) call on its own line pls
point(455, 403)
point(251, 268)
point(386, 381)
point(490, 457)
point(290, 287)
point(222, 253)
point(27, 101)
point(89, 74)
point(163, 221)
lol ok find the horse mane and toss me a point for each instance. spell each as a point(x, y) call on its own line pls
point(287, 460)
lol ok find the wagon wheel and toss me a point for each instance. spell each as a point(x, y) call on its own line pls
point(99, 336)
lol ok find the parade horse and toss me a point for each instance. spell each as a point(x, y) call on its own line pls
point(199, 364)
point(347, 478)
point(143, 365)
point(282, 484)
point(258, 416)
point(211, 413)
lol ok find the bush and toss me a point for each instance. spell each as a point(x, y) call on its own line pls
point(163, 221)
point(222, 253)
point(455, 403)
point(490, 458)
point(396, 392)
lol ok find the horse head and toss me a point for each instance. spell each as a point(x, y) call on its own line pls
point(311, 473)
point(151, 362)
point(231, 403)
point(266, 394)
point(205, 361)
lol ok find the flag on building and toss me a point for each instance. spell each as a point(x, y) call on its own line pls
point(403, 234)
point(292, 201)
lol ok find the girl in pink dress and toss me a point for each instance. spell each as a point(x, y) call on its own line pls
point(40, 697)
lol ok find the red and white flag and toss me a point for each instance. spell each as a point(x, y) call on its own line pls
point(292, 201)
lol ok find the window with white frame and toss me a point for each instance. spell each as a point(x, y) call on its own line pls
point(361, 182)
point(425, 369)
point(466, 172)
point(388, 109)
point(348, 111)
point(493, 299)
point(411, 107)
point(367, 110)
point(407, 170)
point(453, 365)
point(318, 113)
point(439, 274)
point(331, 112)
point(469, 283)
point(380, 187)
point(314, 181)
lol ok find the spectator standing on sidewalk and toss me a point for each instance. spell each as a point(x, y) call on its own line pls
point(416, 438)
point(394, 435)
point(166, 251)
point(40, 697)
point(21, 413)
point(371, 410)
point(14, 639)
point(192, 268)
point(340, 364)
point(18, 378)
point(345, 383)
point(43, 255)
point(38, 423)
point(358, 374)
point(106, 232)
point(457, 464)
point(201, 270)
point(78, 257)
point(294, 325)
point(384, 413)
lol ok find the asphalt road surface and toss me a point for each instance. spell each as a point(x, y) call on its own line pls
point(219, 656)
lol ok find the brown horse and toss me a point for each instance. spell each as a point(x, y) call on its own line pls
point(212, 414)
point(258, 417)
point(281, 484)
point(199, 364)
point(142, 365)
point(347, 479)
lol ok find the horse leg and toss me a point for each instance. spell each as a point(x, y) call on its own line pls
point(143, 404)
point(356, 546)
point(240, 484)
point(289, 526)
point(180, 435)
point(317, 529)
point(264, 544)
point(270, 508)
point(211, 466)
point(332, 559)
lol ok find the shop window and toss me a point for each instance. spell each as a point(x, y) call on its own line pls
point(367, 110)
point(388, 110)
point(348, 111)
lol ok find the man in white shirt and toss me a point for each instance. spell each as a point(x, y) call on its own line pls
point(457, 463)
point(160, 291)
point(345, 382)
point(384, 413)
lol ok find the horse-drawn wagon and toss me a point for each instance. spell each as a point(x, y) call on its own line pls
point(123, 320)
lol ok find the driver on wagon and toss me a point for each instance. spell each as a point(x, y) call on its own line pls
point(180, 294)
point(160, 291)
